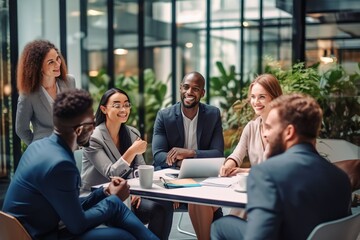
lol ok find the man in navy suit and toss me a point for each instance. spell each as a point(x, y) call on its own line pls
point(295, 189)
point(189, 129)
point(44, 192)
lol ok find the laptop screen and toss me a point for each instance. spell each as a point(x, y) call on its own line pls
point(200, 167)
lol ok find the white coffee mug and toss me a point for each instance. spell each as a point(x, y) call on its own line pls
point(145, 174)
point(242, 181)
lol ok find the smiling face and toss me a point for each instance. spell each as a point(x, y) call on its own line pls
point(192, 90)
point(51, 64)
point(117, 108)
point(259, 100)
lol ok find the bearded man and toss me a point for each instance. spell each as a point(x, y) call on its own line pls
point(295, 189)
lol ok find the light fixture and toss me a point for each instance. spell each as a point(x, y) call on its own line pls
point(93, 73)
point(188, 45)
point(92, 12)
point(120, 51)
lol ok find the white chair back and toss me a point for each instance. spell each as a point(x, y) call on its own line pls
point(347, 228)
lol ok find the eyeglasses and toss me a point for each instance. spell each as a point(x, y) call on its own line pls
point(126, 105)
point(194, 89)
point(86, 125)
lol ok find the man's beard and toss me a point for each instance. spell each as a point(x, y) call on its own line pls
point(277, 146)
point(189, 105)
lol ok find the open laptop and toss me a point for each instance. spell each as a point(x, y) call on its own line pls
point(200, 167)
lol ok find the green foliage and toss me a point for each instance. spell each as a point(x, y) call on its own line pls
point(335, 90)
point(226, 86)
point(154, 98)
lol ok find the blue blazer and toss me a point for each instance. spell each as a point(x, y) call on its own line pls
point(169, 133)
point(291, 193)
point(45, 190)
point(34, 108)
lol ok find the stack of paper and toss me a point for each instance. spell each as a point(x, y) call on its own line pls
point(219, 181)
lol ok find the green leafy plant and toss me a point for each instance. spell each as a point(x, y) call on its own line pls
point(154, 98)
point(335, 90)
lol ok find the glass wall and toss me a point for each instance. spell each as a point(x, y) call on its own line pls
point(146, 47)
point(6, 101)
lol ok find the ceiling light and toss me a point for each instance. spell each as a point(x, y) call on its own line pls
point(120, 51)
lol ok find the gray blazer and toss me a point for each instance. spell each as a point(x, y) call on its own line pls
point(34, 108)
point(102, 159)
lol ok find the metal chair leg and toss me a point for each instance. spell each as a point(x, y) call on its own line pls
point(182, 230)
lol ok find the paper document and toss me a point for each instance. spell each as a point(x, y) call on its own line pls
point(219, 181)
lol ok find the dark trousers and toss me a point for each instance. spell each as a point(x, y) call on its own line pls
point(157, 214)
point(121, 223)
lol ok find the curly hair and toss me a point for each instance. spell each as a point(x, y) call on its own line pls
point(301, 111)
point(72, 103)
point(30, 65)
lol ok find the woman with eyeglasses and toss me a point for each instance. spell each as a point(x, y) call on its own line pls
point(116, 150)
point(41, 75)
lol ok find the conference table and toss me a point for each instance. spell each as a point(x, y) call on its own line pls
point(204, 195)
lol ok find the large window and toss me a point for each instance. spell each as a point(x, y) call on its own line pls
point(144, 46)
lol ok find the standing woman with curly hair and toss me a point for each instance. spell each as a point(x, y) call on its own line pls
point(41, 74)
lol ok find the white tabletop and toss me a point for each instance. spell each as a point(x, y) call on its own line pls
point(205, 195)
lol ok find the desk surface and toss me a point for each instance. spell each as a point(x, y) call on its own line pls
point(205, 195)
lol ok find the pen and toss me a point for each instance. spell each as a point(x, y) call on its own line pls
point(135, 133)
point(124, 176)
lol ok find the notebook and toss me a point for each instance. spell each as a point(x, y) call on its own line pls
point(200, 167)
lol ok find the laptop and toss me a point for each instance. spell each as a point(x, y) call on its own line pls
point(200, 167)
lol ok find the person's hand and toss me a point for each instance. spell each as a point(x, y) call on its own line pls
point(228, 167)
point(139, 146)
point(226, 171)
point(176, 154)
point(119, 187)
point(176, 205)
point(135, 201)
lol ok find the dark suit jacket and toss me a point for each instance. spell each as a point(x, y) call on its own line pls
point(291, 193)
point(169, 133)
point(35, 108)
point(45, 190)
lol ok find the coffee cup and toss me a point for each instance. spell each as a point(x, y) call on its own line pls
point(145, 174)
point(242, 181)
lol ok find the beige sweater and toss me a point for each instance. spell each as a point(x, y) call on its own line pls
point(250, 144)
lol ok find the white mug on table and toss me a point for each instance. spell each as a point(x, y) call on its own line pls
point(242, 181)
point(145, 174)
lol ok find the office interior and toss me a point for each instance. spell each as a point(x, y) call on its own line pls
point(110, 43)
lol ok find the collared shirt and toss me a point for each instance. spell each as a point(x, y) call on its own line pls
point(190, 127)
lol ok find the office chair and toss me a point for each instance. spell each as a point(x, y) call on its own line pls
point(178, 227)
point(347, 228)
point(11, 228)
